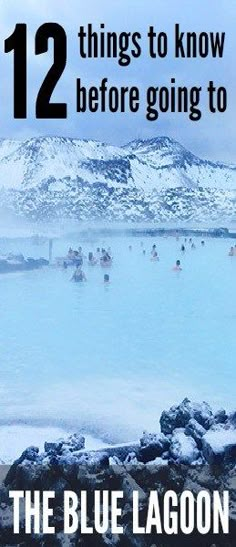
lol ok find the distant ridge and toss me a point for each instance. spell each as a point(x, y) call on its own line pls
point(155, 180)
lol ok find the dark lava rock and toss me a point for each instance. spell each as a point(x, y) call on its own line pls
point(179, 416)
point(153, 445)
point(183, 448)
point(31, 454)
point(219, 445)
point(232, 419)
point(53, 447)
point(220, 417)
point(74, 443)
point(195, 430)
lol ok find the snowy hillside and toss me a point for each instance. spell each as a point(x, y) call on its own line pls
point(156, 179)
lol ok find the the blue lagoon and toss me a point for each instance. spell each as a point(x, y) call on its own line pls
point(107, 360)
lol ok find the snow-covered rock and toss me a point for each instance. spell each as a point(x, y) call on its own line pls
point(183, 449)
point(219, 444)
point(153, 445)
point(73, 443)
point(220, 416)
point(179, 416)
point(195, 430)
point(232, 419)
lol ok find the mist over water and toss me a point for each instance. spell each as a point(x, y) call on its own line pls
point(108, 360)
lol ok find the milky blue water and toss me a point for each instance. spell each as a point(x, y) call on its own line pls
point(109, 359)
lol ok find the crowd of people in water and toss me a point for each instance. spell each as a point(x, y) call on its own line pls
point(103, 257)
point(77, 257)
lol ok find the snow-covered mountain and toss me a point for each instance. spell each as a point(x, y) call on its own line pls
point(155, 179)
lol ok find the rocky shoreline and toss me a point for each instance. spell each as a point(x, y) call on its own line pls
point(195, 449)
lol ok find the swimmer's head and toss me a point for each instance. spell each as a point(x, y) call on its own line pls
point(106, 278)
point(177, 262)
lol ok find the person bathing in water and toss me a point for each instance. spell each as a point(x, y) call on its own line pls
point(106, 279)
point(91, 259)
point(232, 251)
point(154, 253)
point(78, 276)
point(154, 256)
point(154, 249)
point(177, 266)
point(106, 259)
